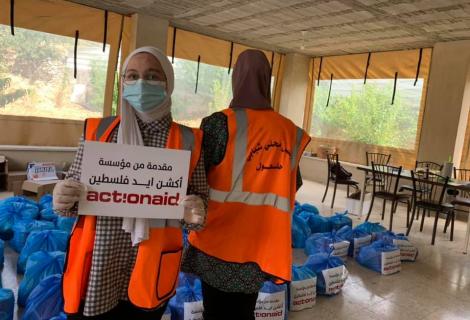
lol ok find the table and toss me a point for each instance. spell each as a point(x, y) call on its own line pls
point(406, 175)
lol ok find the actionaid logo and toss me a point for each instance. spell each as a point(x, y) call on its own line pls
point(268, 314)
point(132, 198)
point(303, 301)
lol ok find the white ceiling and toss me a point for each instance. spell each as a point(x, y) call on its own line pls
point(333, 27)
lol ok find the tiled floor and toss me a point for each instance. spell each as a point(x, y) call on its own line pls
point(437, 286)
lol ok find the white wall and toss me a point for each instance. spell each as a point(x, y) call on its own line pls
point(294, 87)
point(149, 31)
point(447, 103)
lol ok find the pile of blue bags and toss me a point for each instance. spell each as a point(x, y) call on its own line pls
point(40, 236)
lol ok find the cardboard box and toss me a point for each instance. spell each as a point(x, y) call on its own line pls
point(36, 189)
point(15, 181)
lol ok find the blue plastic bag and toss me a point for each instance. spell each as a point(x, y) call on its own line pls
point(7, 304)
point(272, 301)
point(45, 202)
point(22, 229)
point(318, 242)
point(302, 289)
point(358, 240)
point(330, 270)
point(40, 265)
point(408, 252)
point(329, 241)
point(2, 256)
point(65, 223)
point(300, 232)
point(187, 279)
point(48, 240)
point(45, 302)
point(340, 220)
point(187, 296)
point(297, 208)
point(380, 256)
point(22, 208)
point(63, 316)
point(13, 209)
point(344, 233)
point(370, 228)
point(316, 222)
point(309, 208)
point(48, 214)
point(18, 199)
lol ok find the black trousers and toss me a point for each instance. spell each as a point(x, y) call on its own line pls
point(219, 305)
point(124, 310)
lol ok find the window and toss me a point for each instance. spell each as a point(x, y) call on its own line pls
point(364, 113)
point(214, 91)
point(36, 75)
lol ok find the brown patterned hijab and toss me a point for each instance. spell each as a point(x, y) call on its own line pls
point(251, 81)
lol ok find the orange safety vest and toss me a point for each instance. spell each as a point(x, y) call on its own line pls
point(154, 277)
point(252, 192)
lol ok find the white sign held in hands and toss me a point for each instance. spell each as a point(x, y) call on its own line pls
point(133, 181)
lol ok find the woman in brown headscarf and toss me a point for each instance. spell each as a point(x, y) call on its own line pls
point(251, 158)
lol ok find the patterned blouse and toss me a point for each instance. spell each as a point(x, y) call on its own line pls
point(245, 278)
point(113, 253)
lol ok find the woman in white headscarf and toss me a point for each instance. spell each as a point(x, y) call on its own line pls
point(147, 85)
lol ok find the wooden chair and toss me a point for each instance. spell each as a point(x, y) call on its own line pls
point(423, 166)
point(377, 158)
point(334, 176)
point(385, 186)
point(428, 194)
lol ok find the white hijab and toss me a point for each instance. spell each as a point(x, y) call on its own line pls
point(129, 131)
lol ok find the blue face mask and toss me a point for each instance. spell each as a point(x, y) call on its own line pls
point(143, 96)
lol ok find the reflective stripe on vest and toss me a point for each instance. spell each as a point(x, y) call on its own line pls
point(236, 194)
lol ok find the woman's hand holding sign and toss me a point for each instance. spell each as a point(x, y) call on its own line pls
point(194, 210)
point(66, 193)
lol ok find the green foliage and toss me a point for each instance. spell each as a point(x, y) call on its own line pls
point(33, 57)
point(364, 113)
point(214, 90)
point(98, 84)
